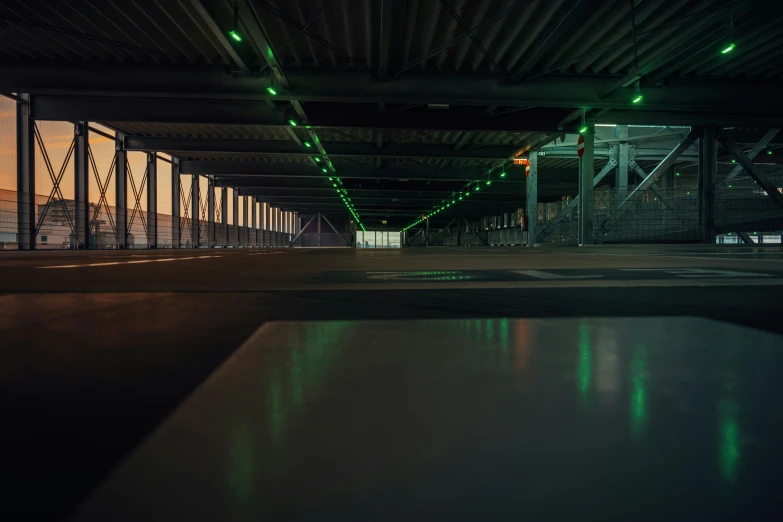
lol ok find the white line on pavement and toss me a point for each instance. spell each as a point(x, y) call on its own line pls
point(131, 262)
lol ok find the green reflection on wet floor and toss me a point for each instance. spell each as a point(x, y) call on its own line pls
point(585, 360)
point(638, 390)
point(297, 375)
point(241, 469)
point(729, 442)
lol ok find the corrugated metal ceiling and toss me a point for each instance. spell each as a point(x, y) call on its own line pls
point(528, 37)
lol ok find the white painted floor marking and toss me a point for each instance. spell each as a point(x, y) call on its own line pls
point(163, 260)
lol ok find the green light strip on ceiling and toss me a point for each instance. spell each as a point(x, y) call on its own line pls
point(331, 172)
point(458, 196)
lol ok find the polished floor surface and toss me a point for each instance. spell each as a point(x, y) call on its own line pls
point(98, 348)
point(470, 419)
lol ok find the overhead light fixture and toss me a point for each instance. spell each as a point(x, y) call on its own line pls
point(324, 170)
point(318, 159)
point(728, 43)
point(503, 174)
point(272, 91)
point(477, 187)
point(769, 150)
point(637, 96)
point(292, 122)
point(583, 126)
point(308, 144)
point(235, 35)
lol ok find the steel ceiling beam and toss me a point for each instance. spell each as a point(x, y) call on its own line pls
point(203, 82)
point(384, 39)
point(358, 149)
point(412, 173)
point(187, 110)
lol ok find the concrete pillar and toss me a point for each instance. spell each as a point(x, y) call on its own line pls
point(152, 200)
point(531, 196)
point(195, 202)
point(623, 156)
point(121, 193)
point(586, 187)
point(81, 163)
point(244, 212)
point(25, 175)
point(175, 203)
point(211, 239)
point(707, 176)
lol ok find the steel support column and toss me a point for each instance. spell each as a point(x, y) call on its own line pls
point(623, 156)
point(211, 239)
point(427, 232)
point(319, 229)
point(335, 230)
point(636, 193)
point(747, 165)
point(25, 175)
point(152, 200)
point(236, 210)
point(121, 193)
point(575, 201)
point(224, 213)
point(587, 174)
point(707, 177)
point(81, 163)
point(175, 204)
point(531, 206)
point(244, 211)
point(253, 220)
point(757, 148)
point(195, 203)
point(302, 229)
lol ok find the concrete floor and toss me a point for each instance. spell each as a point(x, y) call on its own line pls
point(469, 419)
point(99, 347)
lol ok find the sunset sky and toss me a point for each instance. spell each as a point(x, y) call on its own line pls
point(58, 136)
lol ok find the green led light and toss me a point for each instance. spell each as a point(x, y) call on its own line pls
point(477, 188)
point(729, 186)
point(582, 130)
point(271, 91)
point(308, 144)
point(769, 151)
point(467, 194)
point(728, 48)
point(235, 36)
point(292, 122)
point(318, 159)
point(637, 98)
point(489, 182)
point(688, 193)
point(734, 161)
point(324, 170)
point(503, 174)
